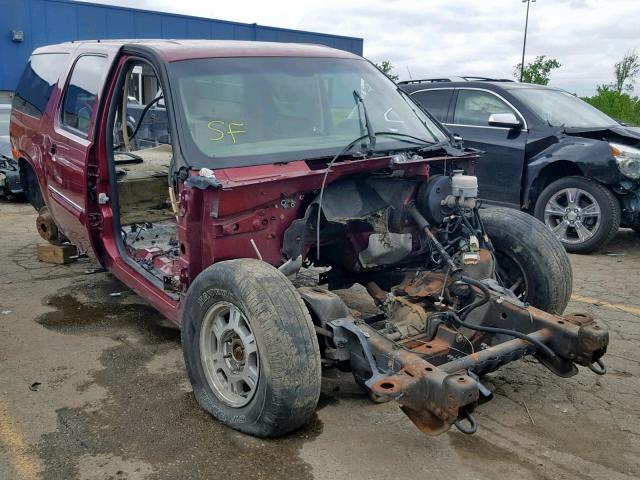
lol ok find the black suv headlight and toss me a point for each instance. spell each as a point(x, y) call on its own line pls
point(627, 158)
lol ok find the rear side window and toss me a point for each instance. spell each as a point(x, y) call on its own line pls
point(81, 95)
point(436, 102)
point(36, 84)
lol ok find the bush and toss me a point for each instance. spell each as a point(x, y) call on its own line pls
point(621, 106)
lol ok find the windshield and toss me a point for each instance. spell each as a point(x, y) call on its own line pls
point(558, 108)
point(4, 121)
point(258, 110)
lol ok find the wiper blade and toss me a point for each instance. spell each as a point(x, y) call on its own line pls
point(420, 144)
point(436, 146)
point(371, 134)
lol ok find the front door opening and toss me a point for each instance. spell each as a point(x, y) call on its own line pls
point(142, 154)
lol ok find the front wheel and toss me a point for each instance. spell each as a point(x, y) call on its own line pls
point(583, 214)
point(250, 348)
point(530, 260)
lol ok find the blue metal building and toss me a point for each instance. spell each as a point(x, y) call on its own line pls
point(28, 24)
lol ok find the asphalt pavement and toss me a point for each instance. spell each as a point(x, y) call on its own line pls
point(93, 386)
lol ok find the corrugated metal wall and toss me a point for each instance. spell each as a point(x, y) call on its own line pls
point(53, 21)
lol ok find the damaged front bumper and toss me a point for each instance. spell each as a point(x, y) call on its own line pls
point(436, 386)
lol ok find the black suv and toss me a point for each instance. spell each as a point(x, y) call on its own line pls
point(547, 152)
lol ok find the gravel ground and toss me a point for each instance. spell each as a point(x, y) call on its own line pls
point(93, 386)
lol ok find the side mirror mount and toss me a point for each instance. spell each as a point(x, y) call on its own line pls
point(504, 120)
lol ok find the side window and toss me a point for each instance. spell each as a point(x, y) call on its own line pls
point(474, 107)
point(436, 102)
point(80, 97)
point(36, 84)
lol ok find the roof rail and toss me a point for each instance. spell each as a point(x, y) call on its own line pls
point(487, 79)
point(454, 79)
point(432, 80)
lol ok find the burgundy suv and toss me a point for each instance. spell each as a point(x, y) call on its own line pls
point(212, 176)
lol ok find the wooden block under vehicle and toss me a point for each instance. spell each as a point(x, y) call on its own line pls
point(58, 254)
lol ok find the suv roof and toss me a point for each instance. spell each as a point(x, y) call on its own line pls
point(454, 79)
point(173, 50)
point(478, 82)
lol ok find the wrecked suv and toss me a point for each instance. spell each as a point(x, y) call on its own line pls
point(278, 173)
point(546, 152)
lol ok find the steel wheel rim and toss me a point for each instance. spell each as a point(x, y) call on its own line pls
point(229, 354)
point(573, 215)
point(512, 275)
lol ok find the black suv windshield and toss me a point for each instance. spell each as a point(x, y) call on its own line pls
point(257, 110)
point(558, 108)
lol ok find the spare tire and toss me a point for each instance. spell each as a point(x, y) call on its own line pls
point(530, 259)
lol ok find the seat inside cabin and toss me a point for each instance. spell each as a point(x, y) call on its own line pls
point(143, 186)
point(142, 162)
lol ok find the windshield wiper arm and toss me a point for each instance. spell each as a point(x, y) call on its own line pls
point(420, 144)
point(371, 134)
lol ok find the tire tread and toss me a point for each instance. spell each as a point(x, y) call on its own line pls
point(554, 273)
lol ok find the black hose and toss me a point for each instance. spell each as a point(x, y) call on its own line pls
point(485, 237)
point(486, 295)
point(139, 123)
point(465, 220)
point(481, 328)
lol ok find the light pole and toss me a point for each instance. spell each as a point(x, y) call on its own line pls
point(524, 43)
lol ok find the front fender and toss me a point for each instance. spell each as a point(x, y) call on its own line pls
point(588, 157)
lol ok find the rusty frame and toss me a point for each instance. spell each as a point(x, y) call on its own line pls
point(435, 391)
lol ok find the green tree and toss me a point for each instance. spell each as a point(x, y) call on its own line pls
point(616, 99)
point(386, 68)
point(620, 106)
point(537, 71)
point(626, 71)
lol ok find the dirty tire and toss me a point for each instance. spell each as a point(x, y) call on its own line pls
point(609, 208)
point(525, 242)
point(288, 385)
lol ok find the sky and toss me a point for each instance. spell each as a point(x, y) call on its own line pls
point(432, 38)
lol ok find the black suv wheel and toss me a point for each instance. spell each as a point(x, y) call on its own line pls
point(583, 214)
